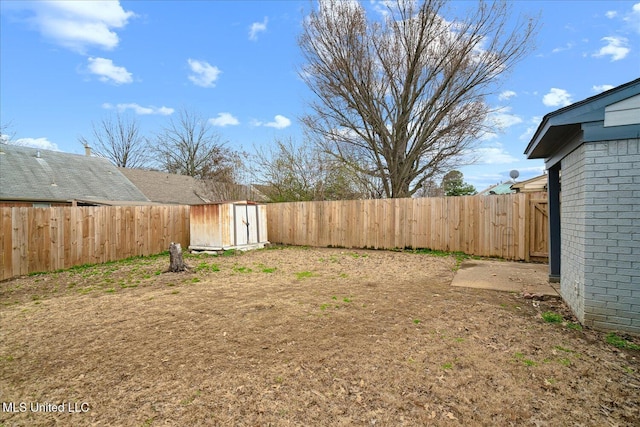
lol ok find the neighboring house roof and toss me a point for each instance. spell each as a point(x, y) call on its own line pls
point(504, 188)
point(538, 183)
point(610, 115)
point(34, 174)
point(163, 187)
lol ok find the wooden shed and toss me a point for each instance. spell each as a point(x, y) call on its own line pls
point(228, 225)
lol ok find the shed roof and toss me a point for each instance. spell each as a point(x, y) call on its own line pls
point(28, 173)
point(559, 126)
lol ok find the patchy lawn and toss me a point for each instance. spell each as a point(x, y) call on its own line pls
point(301, 336)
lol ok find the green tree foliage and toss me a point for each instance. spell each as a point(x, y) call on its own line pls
point(453, 185)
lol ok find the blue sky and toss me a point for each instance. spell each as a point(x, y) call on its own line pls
point(64, 65)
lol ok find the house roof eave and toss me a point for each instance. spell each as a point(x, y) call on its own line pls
point(568, 120)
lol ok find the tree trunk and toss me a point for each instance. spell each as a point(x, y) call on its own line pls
point(176, 263)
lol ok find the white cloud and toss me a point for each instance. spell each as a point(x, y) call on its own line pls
point(205, 74)
point(633, 18)
point(616, 47)
point(138, 109)
point(493, 155)
point(279, 122)
point(563, 48)
point(258, 27)
point(109, 72)
point(42, 143)
point(504, 119)
point(611, 14)
point(527, 134)
point(557, 98)
point(77, 25)
point(507, 94)
point(499, 120)
point(601, 88)
point(224, 119)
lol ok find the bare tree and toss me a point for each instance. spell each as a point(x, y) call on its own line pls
point(430, 188)
point(300, 172)
point(7, 134)
point(235, 182)
point(119, 140)
point(402, 98)
point(188, 146)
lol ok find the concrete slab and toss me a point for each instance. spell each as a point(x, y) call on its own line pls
point(522, 278)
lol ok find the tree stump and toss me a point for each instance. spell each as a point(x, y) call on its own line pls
point(176, 263)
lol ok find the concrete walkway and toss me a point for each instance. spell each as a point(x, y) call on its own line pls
point(522, 278)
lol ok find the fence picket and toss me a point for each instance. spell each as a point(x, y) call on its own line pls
point(48, 239)
point(477, 225)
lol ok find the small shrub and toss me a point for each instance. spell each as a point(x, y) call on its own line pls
point(551, 317)
point(203, 266)
point(565, 361)
point(619, 342)
point(574, 326)
point(566, 350)
point(304, 274)
point(527, 362)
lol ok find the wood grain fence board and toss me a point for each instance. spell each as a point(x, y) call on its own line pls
point(20, 238)
point(49, 239)
point(6, 250)
point(477, 225)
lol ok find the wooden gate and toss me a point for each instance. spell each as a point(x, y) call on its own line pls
point(538, 229)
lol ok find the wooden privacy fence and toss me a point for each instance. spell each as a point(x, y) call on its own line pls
point(48, 239)
point(497, 225)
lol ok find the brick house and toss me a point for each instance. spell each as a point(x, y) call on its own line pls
point(594, 208)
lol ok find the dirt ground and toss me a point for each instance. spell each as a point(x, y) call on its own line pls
point(299, 336)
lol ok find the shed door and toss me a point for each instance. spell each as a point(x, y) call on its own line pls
point(246, 224)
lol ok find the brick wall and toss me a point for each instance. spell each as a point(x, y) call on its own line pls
point(572, 237)
point(610, 174)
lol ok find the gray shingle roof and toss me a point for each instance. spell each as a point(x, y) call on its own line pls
point(28, 173)
point(163, 187)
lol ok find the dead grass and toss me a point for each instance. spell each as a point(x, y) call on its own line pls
point(300, 336)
